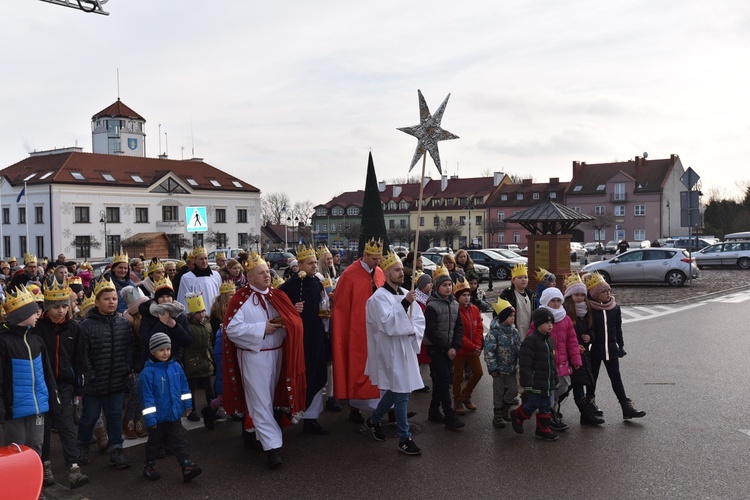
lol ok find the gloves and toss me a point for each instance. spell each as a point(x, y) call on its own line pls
point(621, 352)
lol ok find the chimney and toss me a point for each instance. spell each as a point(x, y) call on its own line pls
point(527, 182)
point(639, 162)
point(498, 178)
point(426, 181)
point(381, 186)
point(577, 169)
point(443, 183)
point(396, 191)
point(163, 157)
point(554, 180)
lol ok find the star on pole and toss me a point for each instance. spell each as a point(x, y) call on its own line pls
point(428, 132)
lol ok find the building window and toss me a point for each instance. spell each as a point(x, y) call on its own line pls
point(113, 214)
point(552, 195)
point(599, 210)
point(504, 197)
point(6, 245)
point(501, 238)
point(83, 247)
point(640, 210)
point(243, 241)
point(391, 224)
point(221, 240)
point(241, 215)
point(22, 215)
point(421, 221)
point(113, 244)
point(170, 213)
point(39, 216)
point(321, 212)
point(639, 234)
point(22, 244)
point(317, 226)
point(601, 187)
point(6, 217)
point(478, 220)
point(221, 216)
point(501, 216)
point(324, 227)
point(82, 214)
point(619, 234)
point(600, 235)
point(619, 194)
point(462, 220)
point(619, 210)
point(352, 211)
point(403, 205)
point(333, 228)
point(391, 205)
point(141, 214)
point(516, 237)
point(449, 220)
point(535, 196)
point(402, 223)
point(577, 188)
point(436, 221)
point(577, 209)
point(40, 245)
point(197, 239)
point(337, 211)
point(519, 196)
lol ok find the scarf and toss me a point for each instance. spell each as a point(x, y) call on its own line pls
point(581, 309)
point(559, 313)
point(603, 306)
point(421, 297)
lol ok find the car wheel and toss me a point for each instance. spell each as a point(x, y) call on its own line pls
point(606, 276)
point(585, 261)
point(501, 273)
point(675, 278)
point(744, 263)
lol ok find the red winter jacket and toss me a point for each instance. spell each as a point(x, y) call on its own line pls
point(473, 330)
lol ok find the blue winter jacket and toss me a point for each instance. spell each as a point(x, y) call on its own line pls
point(164, 392)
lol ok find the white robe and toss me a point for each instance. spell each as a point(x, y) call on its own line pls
point(393, 341)
point(207, 285)
point(259, 357)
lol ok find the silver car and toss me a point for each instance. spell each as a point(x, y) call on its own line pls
point(730, 254)
point(654, 265)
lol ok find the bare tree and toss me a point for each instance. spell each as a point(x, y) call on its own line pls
point(273, 207)
point(491, 228)
point(303, 210)
point(352, 231)
point(449, 231)
point(403, 180)
point(601, 222)
point(486, 172)
point(427, 237)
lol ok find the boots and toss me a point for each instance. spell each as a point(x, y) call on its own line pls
point(505, 410)
point(556, 423)
point(543, 430)
point(497, 418)
point(517, 417)
point(592, 403)
point(468, 404)
point(128, 430)
point(49, 479)
point(140, 429)
point(208, 417)
point(588, 417)
point(102, 441)
point(630, 411)
point(434, 415)
point(458, 406)
point(452, 421)
point(76, 478)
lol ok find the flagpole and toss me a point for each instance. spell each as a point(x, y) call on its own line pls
point(28, 243)
point(419, 218)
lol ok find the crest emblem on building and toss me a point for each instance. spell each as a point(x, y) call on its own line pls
point(132, 143)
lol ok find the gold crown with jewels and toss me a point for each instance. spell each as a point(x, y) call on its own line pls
point(460, 286)
point(20, 298)
point(221, 255)
point(253, 260)
point(501, 305)
point(88, 301)
point(593, 279)
point(572, 280)
point(155, 265)
point(29, 258)
point(104, 285)
point(542, 273)
point(119, 258)
point(277, 281)
point(305, 252)
point(163, 283)
point(389, 260)
point(227, 287)
point(322, 250)
point(374, 247)
point(519, 270)
point(198, 250)
point(439, 271)
point(57, 291)
point(75, 280)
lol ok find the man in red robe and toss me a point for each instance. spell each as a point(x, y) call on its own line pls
point(349, 331)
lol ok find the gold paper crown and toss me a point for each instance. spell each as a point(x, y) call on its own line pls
point(75, 280)
point(197, 251)
point(305, 252)
point(88, 301)
point(29, 258)
point(12, 259)
point(541, 274)
point(227, 287)
point(460, 285)
point(439, 271)
point(593, 279)
point(103, 285)
point(86, 265)
point(36, 291)
point(519, 270)
point(277, 281)
point(20, 298)
point(389, 260)
point(57, 291)
point(195, 302)
point(322, 250)
point(417, 274)
point(374, 247)
point(119, 258)
point(155, 265)
point(253, 260)
point(572, 280)
point(501, 305)
point(220, 255)
point(327, 283)
point(163, 283)
point(180, 264)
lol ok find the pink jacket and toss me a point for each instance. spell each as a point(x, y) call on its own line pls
point(567, 352)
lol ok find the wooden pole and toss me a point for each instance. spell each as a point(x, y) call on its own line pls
point(419, 217)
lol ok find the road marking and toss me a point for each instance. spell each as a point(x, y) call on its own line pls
point(745, 431)
point(640, 317)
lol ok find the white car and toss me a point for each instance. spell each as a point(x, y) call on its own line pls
point(729, 254)
point(578, 253)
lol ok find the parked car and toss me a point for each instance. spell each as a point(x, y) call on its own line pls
point(231, 253)
point(594, 248)
point(652, 265)
point(499, 267)
point(639, 244)
point(524, 252)
point(578, 253)
point(512, 247)
point(439, 250)
point(509, 254)
point(611, 247)
point(690, 244)
point(277, 260)
point(435, 258)
point(730, 254)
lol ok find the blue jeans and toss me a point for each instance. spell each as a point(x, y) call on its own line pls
point(399, 401)
point(536, 402)
point(92, 407)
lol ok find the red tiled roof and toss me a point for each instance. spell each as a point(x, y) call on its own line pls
point(543, 188)
point(61, 165)
point(118, 109)
point(649, 175)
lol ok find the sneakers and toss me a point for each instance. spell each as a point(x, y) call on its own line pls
point(102, 441)
point(208, 417)
point(150, 472)
point(311, 426)
point(458, 407)
point(118, 459)
point(333, 405)
point(377, 430)
point(83, 454)
point(469, 405)
point(221, 414)
point(556, 423)
point(190, 471)
point(128, 429)
point(193, 417)
point(49, 478)
point(497, 418)
point(140, 429)
point(409, 447)
point(76, 478)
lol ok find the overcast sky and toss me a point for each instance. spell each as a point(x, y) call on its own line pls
point(291, 96)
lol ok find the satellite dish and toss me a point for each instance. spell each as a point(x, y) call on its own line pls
point(645, 155)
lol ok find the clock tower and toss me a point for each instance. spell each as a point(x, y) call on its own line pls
point(118, 130)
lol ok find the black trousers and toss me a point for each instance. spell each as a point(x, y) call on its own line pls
point(171, 434)
point(441, 372)
point(62, 420)
point(201, 383)
point(613, 370)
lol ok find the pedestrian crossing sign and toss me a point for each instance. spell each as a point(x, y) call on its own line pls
point(195, 218)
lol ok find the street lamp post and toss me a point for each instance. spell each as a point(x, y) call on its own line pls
point(103, 220)
point(469, 207)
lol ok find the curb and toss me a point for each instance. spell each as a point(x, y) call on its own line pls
point(690, 299)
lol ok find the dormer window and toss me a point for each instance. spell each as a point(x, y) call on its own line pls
point(109, 178)
point(504, 197)
point(78, 176)
point(519, 196)
point(577, 188)
point(215, 183)
point(601, 187)
point(192, 182)
point(236, 184)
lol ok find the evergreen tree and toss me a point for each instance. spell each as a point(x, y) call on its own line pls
point(373, 220)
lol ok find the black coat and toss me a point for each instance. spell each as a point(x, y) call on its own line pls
point(537, 364)
point(179, 334)
point(109, 351)
point(66, 347)
point(583, 375)
point(607, 333)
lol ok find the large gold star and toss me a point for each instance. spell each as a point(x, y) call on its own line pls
point(428, 132)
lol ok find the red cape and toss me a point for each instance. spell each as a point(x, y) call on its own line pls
point(290, 391)
point(349, 333)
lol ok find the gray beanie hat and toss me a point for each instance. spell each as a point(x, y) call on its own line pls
point(423, 281)
point(158, 342)
point(22, 313)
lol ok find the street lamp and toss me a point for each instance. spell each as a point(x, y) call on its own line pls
point(103, 220)
point(469, 207)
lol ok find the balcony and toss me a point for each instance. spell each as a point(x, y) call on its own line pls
point(170, 224)
point(618, 197)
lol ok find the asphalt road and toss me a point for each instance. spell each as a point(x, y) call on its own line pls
point(688, 370)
